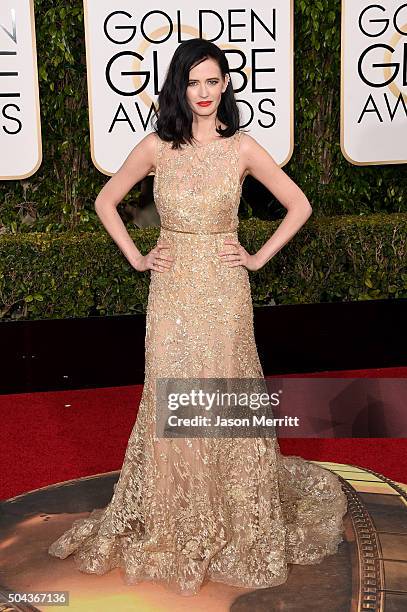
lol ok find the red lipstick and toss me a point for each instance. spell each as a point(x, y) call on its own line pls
point(206, 103)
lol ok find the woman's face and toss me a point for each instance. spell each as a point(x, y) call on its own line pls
point(205, 85)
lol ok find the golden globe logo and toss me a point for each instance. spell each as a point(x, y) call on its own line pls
point(129, 48)
point(20, 130)
point(374, 82)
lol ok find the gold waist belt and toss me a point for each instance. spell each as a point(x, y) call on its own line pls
point(170, 229)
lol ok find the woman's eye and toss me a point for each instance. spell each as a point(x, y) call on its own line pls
point(195, 82)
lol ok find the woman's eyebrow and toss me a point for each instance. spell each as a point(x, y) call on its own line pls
point(208, 79)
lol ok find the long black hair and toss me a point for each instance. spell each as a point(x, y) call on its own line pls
point(174, 115)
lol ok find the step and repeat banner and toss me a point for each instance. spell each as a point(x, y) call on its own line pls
point(20, 135)
point(128, 48)
point(129, 45)
point(374, 82)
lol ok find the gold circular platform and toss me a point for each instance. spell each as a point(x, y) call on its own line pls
point(369, 572)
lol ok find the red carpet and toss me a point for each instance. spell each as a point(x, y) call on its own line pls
point(50, 437)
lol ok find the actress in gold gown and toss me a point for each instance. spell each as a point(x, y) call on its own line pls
point(188, 510)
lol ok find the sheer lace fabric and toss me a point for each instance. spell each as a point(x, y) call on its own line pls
point(185, 511)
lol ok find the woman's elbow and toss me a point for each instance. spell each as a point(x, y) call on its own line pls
point(308, 208)
point(102, 202)
point(98, 202)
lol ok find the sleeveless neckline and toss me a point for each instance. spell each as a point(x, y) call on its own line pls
point(187, 145)
point(219, 139)
point(184, 146)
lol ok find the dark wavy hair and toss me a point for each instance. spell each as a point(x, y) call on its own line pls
point(174, 115)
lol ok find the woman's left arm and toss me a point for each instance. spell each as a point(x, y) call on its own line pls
point(260, 164)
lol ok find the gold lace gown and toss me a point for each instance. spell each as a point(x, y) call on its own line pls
point(184, 511)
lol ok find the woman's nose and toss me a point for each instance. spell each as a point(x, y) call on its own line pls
point(203, 92)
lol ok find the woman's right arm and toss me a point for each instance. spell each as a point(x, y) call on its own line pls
point(139, 163)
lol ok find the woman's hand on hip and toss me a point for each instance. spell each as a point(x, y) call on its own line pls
point(237, 255)
point(156, 260)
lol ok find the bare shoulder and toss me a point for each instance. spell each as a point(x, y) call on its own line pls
point(151, 139)
point(248, 144)
point(146, 149)
point(149, 142)
point(253, 154)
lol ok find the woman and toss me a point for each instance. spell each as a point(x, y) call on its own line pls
point(186, 510)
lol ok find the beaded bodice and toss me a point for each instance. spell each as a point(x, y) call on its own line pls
point(197, 189)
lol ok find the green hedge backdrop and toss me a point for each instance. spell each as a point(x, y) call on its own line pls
point(60, 196)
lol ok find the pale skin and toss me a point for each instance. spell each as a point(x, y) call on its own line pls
point(205, 83)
